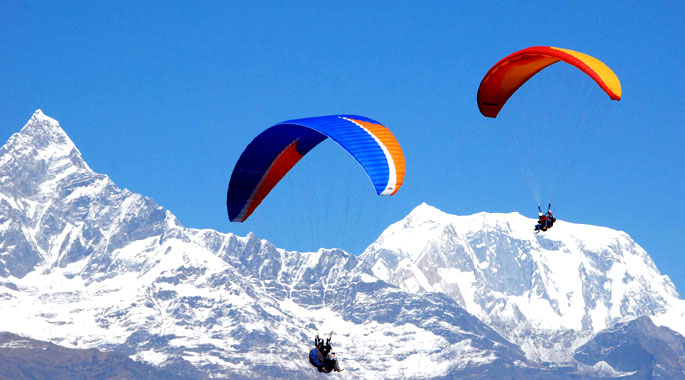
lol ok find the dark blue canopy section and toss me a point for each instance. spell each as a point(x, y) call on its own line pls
point(258, 157)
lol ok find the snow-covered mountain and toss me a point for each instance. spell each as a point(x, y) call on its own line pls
point(548, 293)
point(85, 264)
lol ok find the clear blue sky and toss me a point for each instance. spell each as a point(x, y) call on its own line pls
point(163, 97)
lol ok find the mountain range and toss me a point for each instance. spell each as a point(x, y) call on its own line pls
point(85, 265)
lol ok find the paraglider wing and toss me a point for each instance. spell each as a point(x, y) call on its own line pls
point(507, 75)
point(275, 151)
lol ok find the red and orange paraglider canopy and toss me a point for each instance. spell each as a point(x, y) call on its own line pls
point(510, 73)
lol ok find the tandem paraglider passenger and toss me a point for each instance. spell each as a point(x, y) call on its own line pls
point(542, 223)
point(322, 358)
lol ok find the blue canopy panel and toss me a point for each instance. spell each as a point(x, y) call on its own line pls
point(276, 150)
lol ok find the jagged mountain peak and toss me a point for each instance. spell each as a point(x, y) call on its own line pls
point(40, 152)
point(60, 211)
point(39, 114)
point(40, 132)
point(425, 209)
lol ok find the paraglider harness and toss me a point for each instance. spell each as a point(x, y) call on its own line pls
point(546, 221)
point(318, 356)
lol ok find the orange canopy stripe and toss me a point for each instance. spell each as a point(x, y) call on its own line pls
point(388, 140)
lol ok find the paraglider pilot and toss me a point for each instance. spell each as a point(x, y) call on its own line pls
point(550, 218)
point(325, 348)
point(322, 358)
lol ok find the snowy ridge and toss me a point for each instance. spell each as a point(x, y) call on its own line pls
point(576, 279)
